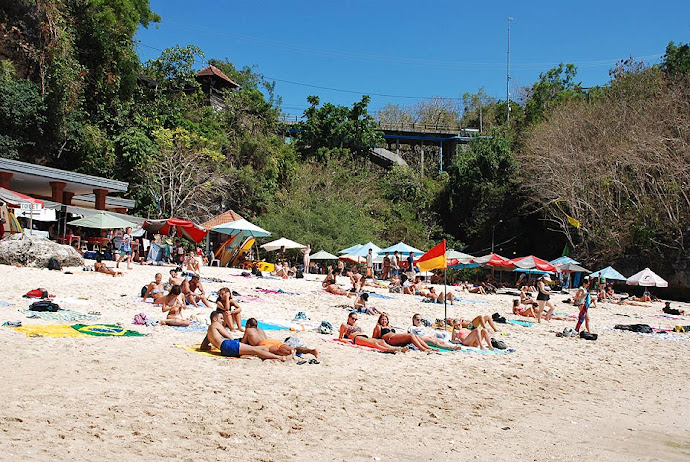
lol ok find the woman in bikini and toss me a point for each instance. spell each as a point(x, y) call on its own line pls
point(479, 321)
point(438, 298)
point(156, 290)
point(384, 331)
point(330, 284)
point(528, 311)
point(350, 330)
point(471, 338)
point(361, 305)
point(544, 298)
point(526, 297)
point(173, 305)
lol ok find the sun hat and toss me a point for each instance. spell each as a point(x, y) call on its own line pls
point(546, 277)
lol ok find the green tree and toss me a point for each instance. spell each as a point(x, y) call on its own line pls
point(22, 115)
point(676, 60)
point(554, 87)
point(333, 127)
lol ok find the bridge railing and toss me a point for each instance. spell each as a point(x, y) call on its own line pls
point(401, 126)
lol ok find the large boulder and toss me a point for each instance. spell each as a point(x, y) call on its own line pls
point(32, 250)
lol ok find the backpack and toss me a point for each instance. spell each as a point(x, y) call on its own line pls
point(44, 305)
point(299, 275)
point(53, 264)
point(325, 328)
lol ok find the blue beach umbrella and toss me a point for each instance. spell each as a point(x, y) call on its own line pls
point(608, 273)
point(402, 248)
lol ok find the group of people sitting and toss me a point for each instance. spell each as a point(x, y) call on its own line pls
point(475, 333)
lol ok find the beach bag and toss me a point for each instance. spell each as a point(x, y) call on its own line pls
point(498, 318)
point(300, 274)
point(325, 328)
point(143, 291)
point(498, 344)
point(37, 293)
point(301, 316)
point(587, 336)
point(53, 264)
point(44, 305)
point(140, 319)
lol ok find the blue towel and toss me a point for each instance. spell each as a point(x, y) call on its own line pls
point(520, 323)
point(266, 326)
point(192, 327)
point(375, 295)
point(467, 300)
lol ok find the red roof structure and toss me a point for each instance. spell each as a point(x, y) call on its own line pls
point(225, 217)
point(215, 73)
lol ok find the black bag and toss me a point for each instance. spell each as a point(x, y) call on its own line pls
point(300, 274)
point(53, 264)
point(44, 305)
point(499, 319)
point(143, 291)
point(498, 344)
point(587, 336)
point(639, 328)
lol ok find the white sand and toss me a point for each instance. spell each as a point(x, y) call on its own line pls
point(622, 397)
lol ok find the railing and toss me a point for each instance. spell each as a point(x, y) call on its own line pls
point(401, 126)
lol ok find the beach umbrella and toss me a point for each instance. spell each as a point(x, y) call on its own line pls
point(176, 226)
point(459, 260)
point(323, 255)
point(241, 227)
point(102, 220)
point(402, 248)
point(530, 262)
point(19, 200)
point(492, 259)
point(349, 250)
point(646, 278)
point(282, 244)
point(363, 251)
point(571, 268)
point(563, 261)
point(609, 274)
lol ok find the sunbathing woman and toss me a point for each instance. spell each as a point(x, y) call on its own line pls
point(361, 305)
point(357, 281)
point(331, 285)
point(387, 333)
point(350, 330)
point(156, 290)
point(438, 338)
point(471, 338)
point(173, 305)
point(479, 321)
point(477, 290)
point(102, 268)
point(438, 298)
point(526, 297)
point(528, 311)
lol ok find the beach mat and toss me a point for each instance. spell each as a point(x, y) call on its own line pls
point(62, 315)
point(49, 330)
point(520, 323)
point(4, 303)
point(375, 295)
point(277, 324)
point(466, 349)
point(213, 353)
point(192, 327)
point(106, 330)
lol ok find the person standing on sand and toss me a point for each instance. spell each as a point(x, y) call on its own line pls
point(585, 301)
point(543, 298)
point(386, 266)
point(306, 252)
point(410, 267)
point(370, 264)
point(395, 263)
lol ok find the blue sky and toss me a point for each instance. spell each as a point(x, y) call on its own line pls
point(407, 50)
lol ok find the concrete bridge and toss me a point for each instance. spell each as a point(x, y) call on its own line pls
point(445, 138)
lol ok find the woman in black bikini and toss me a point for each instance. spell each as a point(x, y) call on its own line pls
point(385, 332)
point(543, 298)
point(350, 330)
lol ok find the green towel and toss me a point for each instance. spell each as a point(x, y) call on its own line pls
point(106, 330)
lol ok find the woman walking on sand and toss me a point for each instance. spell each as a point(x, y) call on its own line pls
point(543, 298)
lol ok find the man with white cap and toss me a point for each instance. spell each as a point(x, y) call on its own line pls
point(543, 298)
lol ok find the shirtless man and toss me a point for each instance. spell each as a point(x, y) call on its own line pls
point(189, 289)
point(230, 308)
point(156, 290)
point(257, 337)
point(219, 337)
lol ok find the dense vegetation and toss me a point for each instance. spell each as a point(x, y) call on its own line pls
point(73, 94)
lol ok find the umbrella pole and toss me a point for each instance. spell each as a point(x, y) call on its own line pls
point(445, 294)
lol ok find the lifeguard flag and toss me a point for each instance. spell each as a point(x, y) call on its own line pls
point(434, 258)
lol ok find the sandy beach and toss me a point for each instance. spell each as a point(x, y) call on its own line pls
point(623, 397)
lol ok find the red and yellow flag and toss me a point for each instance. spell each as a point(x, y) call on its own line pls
point(434, 258)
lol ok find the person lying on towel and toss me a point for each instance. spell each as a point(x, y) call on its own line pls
point(219, 337)
point(257, 337)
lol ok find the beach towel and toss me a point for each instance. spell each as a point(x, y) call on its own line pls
point(466, 349)
point(192, 327)
point(49, 330)
point(520, 323)
point(467, 300)
point(348, 342)
point(213, 353)
point(249, 299)
point(278, 292)
point(279, 324)
point(61, 315)
point(4, 303)
point(375, 295)
point(106, 330)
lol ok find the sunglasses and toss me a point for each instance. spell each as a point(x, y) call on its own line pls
point(354, 318)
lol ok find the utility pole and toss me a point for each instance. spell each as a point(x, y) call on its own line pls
point(508, 75)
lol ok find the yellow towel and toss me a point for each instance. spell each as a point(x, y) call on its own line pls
point(214, 353)
point(49, 330)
